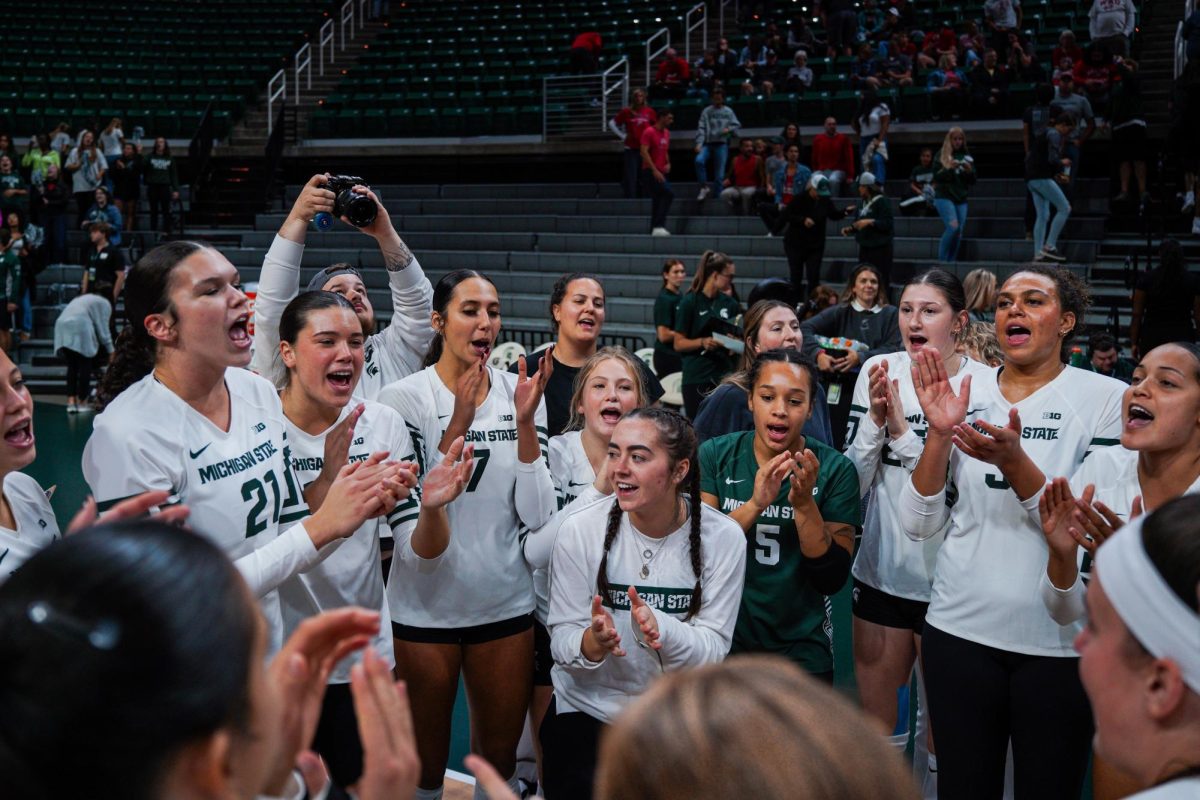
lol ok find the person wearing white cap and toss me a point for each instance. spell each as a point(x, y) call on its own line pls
point(873, 228)
point(1140, 652)
point(804, 237)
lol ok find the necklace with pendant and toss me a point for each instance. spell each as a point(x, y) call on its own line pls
point(649, 555)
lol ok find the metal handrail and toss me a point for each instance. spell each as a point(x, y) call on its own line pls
point(325, 36)
point(689, 26)
point(650, 56)
point(362, 14)
point(347, 19)
point(721, 22)
point(619, 83)
point(272, 94)
point(303, 63)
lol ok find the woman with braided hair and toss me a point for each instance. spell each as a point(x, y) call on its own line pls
point(665, 579)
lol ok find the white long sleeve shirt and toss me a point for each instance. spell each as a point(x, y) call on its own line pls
point(481, 576)
point(888, 560)
point(603, 688)
point(987, 582)
point(397, 351)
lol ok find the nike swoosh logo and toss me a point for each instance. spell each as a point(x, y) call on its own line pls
point(976, 411)
point(2, 555)
point(196, 453)
point(731, 481)
point(443, 416)
point(573, 483)
point(703, 313)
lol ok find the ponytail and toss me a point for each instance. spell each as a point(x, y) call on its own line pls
point(711, 262)
point(441, 300)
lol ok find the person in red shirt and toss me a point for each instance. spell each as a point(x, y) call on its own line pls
point(832, 155)
point(747, 177)
point(656, 166)
point(1068, 47)
point(1094, 74)
point(629, 124)
point(672, 76)
point(585, 53)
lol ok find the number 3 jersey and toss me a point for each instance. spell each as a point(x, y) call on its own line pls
point(780, 612)
point(987, 582)
point(481, 576)
point(349, 573)
point(238, 483)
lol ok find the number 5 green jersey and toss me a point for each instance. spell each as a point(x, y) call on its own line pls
point(781, 612)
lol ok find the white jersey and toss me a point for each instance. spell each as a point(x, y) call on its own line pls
point(238, 483)
point(573, 477)
point(481, 577)
point(1114, 473)
point(36, 526)
point(1181, 789)
point(388, 356)
point(350, 575)
point(888, 560)
point(986, 585)
point(603, 689)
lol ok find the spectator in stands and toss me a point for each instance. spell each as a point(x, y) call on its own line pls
point(717, 126)
point(1000, 17)
point(629, 124)
point(896, 69)
point(88, 167)
point(704, 75)
point(104, 211)
point(840, 20)
point(934, 45)
point(105, 263)
point(1128, 125)
point(871, 123)
point(980, 289)
point(1034, 121)
point(799, 75)
point(727, 60)
point(81, 332)
point(1067, 46)
point(1046, 165)
point(14, 192)
point(60, 139)
point(791, 135)
point(127, 183)
point(656, 166)
point(10, 287)
point(755, 52)
point(577, 309)
point(971, 44)
point(920, 183)
point(772, 75)
point(864, 72)
point(1094, 75)
point(947, 89)
point(37, 158)
point(585, 53)
point(800, 37)
point(833, 155)
point(27, 242)
point(802, 222)
point(52, 200)
point(979, 343)
point(874, 230)
point(746, 78)
point(747, 177)
point(1166, 302)
point(1105, 357)
point(111, 140)
point(774, 161)
point(1064, 67)
point(953, 179)
point(786, 184)
point(672, 76)
point(1111, 23)
point(1182, 142)
point(1023, 66)
point(7, 148)
point(864, 316)
point(819, 299)
point(989, 87)
point(666, 360)
point(1069, 101)
point(162, 184)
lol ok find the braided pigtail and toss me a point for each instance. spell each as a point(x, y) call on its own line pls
point(610, 535)
point(694, 551)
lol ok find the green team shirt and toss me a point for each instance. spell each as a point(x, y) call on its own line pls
point(780, 611)
point(664, 314)
point(697, 317)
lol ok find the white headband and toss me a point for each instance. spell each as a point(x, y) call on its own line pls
point(1147, 605)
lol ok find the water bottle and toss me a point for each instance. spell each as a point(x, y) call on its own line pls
point(1077, 358)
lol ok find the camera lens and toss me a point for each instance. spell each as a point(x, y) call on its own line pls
point(358, 208)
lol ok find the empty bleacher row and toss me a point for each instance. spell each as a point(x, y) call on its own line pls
point(157, 66)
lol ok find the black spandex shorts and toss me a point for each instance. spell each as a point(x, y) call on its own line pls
point(473, 634)
point(1129, 143)
point(542, 660)
point(881, 608)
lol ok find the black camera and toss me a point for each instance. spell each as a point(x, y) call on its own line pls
point(359, 209)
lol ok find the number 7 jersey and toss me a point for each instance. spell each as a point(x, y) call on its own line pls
point(238, 483)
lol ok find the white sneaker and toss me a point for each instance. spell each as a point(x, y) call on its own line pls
point(84, 408)
point(72, 408)
point(1050, 254)
point(1189, 202)
point(704, 192)
point(660, 232)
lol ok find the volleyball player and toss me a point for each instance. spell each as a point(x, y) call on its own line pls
point(796, 501)
point(893, 575)
point(183, 417)
point(389, 355)
point(705, 309)
point(463, 603)
point(639, 585)
point(997, 665)
point(607, 387)
point(321, 341)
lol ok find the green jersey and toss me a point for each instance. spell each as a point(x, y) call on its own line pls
point(664, 314)
point(698, 317)
point(780, 611)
